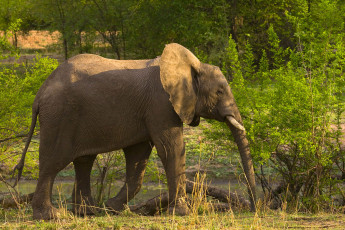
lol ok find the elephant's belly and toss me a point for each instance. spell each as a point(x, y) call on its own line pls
point(91, 140)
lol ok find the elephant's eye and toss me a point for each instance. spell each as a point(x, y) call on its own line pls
point(219, 92)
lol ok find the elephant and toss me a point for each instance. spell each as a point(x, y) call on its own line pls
point(76, 68)
point(91, 105)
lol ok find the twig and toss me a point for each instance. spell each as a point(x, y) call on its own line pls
point(5, 182)
point(10, 188)
point(14, 137)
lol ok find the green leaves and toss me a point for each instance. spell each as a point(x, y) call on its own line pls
point(19, 84)
point(292, 103)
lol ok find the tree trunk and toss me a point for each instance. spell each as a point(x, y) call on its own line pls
point(15, 40)
point(80, 42)
point(14, 202)
point(65, 48)
point(233, 15)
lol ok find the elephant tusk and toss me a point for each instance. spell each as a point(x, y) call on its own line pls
point(235, 123)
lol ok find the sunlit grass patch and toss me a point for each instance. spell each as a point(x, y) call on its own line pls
point(228, 220)
point(202, 216)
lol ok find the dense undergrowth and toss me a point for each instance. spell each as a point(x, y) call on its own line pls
point(292, 103)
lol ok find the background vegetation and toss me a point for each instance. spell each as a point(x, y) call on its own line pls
point(284, 61)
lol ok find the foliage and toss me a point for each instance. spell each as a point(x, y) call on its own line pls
point(6, 49)
point(110, 19)
point(110, 167)
point(60, 15)
point(291, 110)
point(141, 28)
point(10, 12)
point(19, 84)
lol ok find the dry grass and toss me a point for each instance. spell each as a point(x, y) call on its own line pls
point(202, 216)
point(35, 39)
point(21, 219)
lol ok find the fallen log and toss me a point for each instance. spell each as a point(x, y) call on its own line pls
point(154, 205)
point(14, 202)
point(234, 199)
point(228, 200)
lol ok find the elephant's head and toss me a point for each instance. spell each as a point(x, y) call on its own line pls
point(200, 90)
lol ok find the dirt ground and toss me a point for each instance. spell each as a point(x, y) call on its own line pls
point(35, 39)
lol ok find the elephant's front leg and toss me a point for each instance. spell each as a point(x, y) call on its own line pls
point(171, 150)
point(82, 200)
point(136, 160)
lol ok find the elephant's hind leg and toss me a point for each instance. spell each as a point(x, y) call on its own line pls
point(41, 203)
point(83, 203)
point(136, 160)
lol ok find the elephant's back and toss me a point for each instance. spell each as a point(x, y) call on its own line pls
point(90, 65)
point(93, 64)
point(86, 65)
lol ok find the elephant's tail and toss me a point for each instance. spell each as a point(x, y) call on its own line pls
point(20, 165)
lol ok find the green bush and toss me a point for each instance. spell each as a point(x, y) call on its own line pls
point(19, 84)
point(292, 106)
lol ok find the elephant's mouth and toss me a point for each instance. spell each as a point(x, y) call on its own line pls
point(234, 123)
point(229, 118)
point(195, 122)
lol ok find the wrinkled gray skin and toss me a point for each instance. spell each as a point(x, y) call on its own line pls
point(91, 105)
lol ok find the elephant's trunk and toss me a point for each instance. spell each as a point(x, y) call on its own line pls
point(243, 147)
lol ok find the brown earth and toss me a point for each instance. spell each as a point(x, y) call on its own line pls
point(35, 39)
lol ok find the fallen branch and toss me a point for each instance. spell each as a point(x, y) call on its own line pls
point(228, 199)
point(160, 203)
point(151, 206)
point(231, 198)
point(14, 202)
point(14, 137)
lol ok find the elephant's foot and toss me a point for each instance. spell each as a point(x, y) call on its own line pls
point(180, 208)
point(46, 212)
point(115, 205)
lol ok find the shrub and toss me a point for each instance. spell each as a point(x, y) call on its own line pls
point(292, 106)
point(18, 84)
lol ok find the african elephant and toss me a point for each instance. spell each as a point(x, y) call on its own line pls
point(74, 69)
point(99, 110)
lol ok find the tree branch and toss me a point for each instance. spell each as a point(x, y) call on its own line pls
point(14, 137)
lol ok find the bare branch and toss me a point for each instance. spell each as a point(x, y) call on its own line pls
point(14, 137)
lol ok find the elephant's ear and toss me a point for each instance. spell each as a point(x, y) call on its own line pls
point(177, 66)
